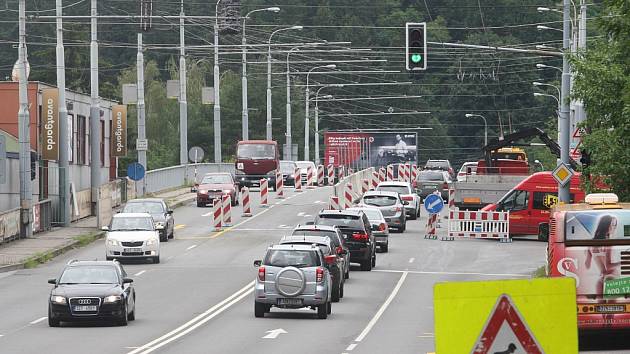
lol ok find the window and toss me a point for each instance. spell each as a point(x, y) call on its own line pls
point(285, 258)
point(102, 144)
point(81, 140)
point(71, 137)
point(515, 200)
point(256, 151)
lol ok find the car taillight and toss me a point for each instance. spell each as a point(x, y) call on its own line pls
point(407, 197)
point(360, 237)
point(414, 184)
point(445, 185)
point(339, 250)
point(320, 274)
point(382, 227)
point(261, 273)
point(396, 209)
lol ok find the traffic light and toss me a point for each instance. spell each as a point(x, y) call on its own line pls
point(416, 46)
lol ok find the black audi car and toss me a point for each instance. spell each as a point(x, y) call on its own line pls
point(92, 290)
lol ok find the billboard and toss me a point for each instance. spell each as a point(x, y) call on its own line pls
point(119, 131)
point(50, 124)
point(370, 149)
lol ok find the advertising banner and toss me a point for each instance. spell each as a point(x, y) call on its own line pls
point(50, 124)
point(370, 149)
point(119, 131)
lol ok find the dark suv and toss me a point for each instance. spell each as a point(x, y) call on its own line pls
point(88, 290)
point(336, 237)
point(357, 233)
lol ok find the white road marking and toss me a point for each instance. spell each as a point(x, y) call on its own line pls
point(39, 320)
point(191, 247)
point(380, 311)
point(451, 273)
point(301, 213)
point(196, 321)
point(139, 273)
point(351, 346)
point(207, 214)
point(411, 260)
point(274, 333)
point(277, 229)
point(307, 216)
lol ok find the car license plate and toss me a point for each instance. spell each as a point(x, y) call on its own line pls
point(133, 250)
point(610, 308)
point(291, 302)
point(82, 308)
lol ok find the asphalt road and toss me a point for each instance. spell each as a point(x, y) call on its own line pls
point(199, 298)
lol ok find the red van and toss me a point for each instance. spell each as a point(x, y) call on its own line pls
point(529, 203)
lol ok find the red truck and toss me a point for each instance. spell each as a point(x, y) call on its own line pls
point(255, 160)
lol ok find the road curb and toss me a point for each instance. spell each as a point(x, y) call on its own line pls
point(181, 202)
point(51, 253)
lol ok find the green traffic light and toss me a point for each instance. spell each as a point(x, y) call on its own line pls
point(416, 58)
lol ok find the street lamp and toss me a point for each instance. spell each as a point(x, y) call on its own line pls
point(545, 28)
point(543, 66)
point(536, 83)
point(485, 123)
point(538, 94)
point(546, 47)
point(269, 133)
point(542, 168)
point(546, 9)
point(307, 122)
point(245, 114)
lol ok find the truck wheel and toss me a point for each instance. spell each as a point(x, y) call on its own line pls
point(259, 309)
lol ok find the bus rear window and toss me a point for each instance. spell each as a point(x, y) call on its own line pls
point(597, 225)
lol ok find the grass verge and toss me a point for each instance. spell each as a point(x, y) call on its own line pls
point(43, 257)
point(540, 272)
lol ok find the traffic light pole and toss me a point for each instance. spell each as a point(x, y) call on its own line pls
point(95, 117)
point(64, 173)
point(564, 191)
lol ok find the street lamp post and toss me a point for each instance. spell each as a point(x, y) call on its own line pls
point(269, 132)
point(245, 114)
point(217, 83)
point(563, 191)
point(317, 124)
point(485, 123)
point(307, 121)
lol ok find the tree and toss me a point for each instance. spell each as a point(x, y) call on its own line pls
point(602, 81)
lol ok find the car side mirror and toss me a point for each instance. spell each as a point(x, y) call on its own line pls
point(405, 202)
point(127, 280)
point(105, 228)
point(52, 281)
point(169, 212)
point(330, 259)
point(310, 223)
point(257, 263)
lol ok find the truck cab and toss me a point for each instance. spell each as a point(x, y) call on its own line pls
point(530, 202)
point(256, 160)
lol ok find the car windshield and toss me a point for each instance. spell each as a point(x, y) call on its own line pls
point(304, 164)
point(217, 179)
point(144, 207)
point(89, 275)
point(256, 151)
point(397, 189)
point(131, 224)
point(373, 214)
point(313, 233)
point(379, 200)
point(287, 167)
point(430, 176)
point(443, 165)
point(291, 258)
point(341, 220)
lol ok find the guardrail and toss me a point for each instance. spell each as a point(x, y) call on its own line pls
point(181, 175)
point(355, 179)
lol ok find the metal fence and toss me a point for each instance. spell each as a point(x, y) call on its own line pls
point(177, 176)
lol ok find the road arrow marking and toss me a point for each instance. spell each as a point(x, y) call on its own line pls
point(274, 333)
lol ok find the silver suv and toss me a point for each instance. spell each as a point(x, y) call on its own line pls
point(293, 276)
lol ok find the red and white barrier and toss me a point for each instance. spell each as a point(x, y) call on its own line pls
point(430, 232)
point(298, 180)
point(390, 172)
point(408, 172)
point(451, 198)
point(350, 171)
point(375, 180)
point(279, 186)
point(347, 196)
point(320, 175)
point(264, 193)
point(365, 185)
point(217, 212)
point(479, 224)
point(246, 202)
point(331, 175)
point(227, 210)
point(381, 174)
point(341, 173)
point(401, 172)
point(310, 178)
point(414, 173)
point(333, 203)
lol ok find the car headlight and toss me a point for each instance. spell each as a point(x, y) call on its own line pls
point(152, 241)
point(112, 299)
point(58, 299)
point(203, 191)
point(159, 225)
point(112, 242)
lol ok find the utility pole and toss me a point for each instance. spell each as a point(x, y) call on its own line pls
point(142, 153)
point(563, 191)
point(64, 173)
point(580, 114)
point(217, 83)
point(26, 187)
point(183, 105)
point(95, 116)
point(245, 114)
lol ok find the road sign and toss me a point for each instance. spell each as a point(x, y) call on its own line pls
point(195, 154)
point(433, 203)
point(135, 171)
point(506, 316)
point(562, 174)
point(142, 144)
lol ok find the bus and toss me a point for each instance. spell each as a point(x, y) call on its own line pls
point(590, 242)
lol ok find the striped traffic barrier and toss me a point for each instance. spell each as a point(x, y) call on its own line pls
point(375, 180)
point(298, 180)
point(247, 208)
point(347, 196)
point(401, 172)
point(408, 172)
point(217, 217)
point(479, 224)
point(381, 174)
point(264, 193)
point(227, 210)
point(390, 172)
point(341, 173)
point(414, 172)
point(430, 232)
point(333, 203)
point(365, 185)
point(309, 177)
point(331, 175)
point(320, 175)
point(451, 197)
point(279, 186)
point(350, 171)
